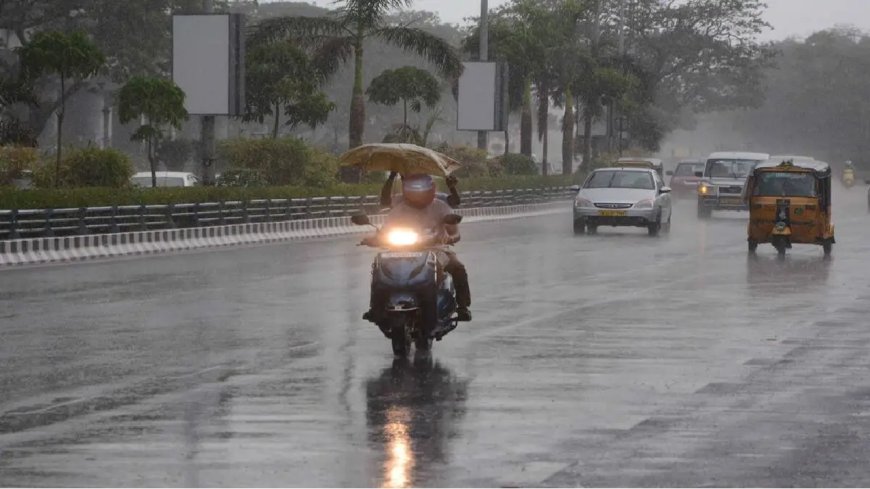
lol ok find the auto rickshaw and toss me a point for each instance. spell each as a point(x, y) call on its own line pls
point(789, 203)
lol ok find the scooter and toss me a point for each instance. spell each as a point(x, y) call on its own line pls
point(417, 299)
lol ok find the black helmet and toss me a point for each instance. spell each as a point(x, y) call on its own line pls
point(418, 190)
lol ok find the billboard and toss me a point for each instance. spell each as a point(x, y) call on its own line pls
point(208, 62)
point(482, 104)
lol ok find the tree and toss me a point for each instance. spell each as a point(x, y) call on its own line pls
point(408, 85)
point(344, 34)
point(281, 77)
point(159, 102)
point(72, 57)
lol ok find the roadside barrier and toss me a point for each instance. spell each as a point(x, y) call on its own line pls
point(101, 246)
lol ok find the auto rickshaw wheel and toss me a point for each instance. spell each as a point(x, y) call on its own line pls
point(753, 245)
point(828, 246)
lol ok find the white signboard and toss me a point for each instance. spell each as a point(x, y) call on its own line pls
point(482, 102)
point(207, 62)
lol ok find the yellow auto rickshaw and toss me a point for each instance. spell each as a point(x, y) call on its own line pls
point(790, 202)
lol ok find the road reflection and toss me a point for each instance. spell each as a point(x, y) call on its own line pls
point(781, 275)
point(412, 410)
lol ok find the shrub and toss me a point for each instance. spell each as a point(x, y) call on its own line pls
point(240, 178)
point(15, 161)
point(517, 164)
point(284, 161)
point(88, 167)
point(474, 161)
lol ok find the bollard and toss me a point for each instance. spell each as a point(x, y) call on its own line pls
point(246, 216)
point(196, 214)
point(221, 219)
point(268, 210)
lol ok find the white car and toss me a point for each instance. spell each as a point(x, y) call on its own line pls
point(723, 180)
point(635, 197)
point(165, 179)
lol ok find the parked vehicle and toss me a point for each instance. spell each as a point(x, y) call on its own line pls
point(848, 175)
point(633, 197)
point(723, 180)
point(165, 179)
point(684, 181)
point(790, 202)
point(420, 299)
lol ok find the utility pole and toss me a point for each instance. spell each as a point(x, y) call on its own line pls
point(484, 56)
point(207, 127)
point(622, 54)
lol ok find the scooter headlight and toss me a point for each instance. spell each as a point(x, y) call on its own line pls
point(402, 237)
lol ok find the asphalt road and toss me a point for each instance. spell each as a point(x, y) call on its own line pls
point(612, 360)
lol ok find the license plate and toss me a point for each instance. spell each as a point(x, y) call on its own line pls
point(402, 254)
point(612, 213)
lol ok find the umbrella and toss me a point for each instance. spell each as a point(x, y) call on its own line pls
point(407, 159)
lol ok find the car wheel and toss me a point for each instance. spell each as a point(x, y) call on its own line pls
point(579, 226)
point(655, 227)
point(704, 212)
point(592, 229)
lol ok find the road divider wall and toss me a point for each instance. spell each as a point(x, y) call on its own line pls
point(103, 246)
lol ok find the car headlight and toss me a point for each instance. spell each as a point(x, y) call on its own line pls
point(581, 202)
point(644, 204)
point(706, 189)
point(402, 237)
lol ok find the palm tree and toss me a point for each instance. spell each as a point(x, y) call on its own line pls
point(343, 34)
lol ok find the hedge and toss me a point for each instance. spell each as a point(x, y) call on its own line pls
point(11, 198)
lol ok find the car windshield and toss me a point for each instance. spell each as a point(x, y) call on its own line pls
point(776, 184)
point(161, 181)
point(687, 169)
point(730, 168)
point(621, 179)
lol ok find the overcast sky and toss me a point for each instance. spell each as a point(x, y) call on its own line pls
point(789, 17)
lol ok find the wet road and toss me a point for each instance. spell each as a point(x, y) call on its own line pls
point(613, 360)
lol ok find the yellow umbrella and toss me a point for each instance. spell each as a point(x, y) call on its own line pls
point(407, 159)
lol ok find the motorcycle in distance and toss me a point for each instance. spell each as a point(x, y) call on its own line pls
point(849, 175)
point(419, 299)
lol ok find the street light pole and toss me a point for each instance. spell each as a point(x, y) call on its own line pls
point(207, 130)
point(484, 56)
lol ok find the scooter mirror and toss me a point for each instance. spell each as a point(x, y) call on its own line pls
point(452, 219)
point(361, 220)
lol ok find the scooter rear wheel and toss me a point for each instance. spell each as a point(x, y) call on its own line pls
point(399, 337)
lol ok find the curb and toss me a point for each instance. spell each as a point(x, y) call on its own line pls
point(99, 246)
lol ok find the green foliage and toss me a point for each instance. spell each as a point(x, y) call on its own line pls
point(15, 161)
point(342, 36)
point(517, 164)
point(282, 161)
point(240, 178)
point(92, 197)
point(13, 132)
point(160, 101)
point(474, 161)
point(88, 167)
point(70, 56)
point(281, 77)
point(409, 85)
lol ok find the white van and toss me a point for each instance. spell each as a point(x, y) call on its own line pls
point(165, 179)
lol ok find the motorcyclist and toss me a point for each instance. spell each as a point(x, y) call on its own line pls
point(388, 200)
point(419, 205)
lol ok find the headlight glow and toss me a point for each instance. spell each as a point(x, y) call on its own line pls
point(402, 237)
point(644, 204)
point(581, 202)
point(705, 189)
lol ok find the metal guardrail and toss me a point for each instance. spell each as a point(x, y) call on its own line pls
point(46, 223)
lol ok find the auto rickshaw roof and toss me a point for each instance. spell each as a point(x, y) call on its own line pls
point(819, 167)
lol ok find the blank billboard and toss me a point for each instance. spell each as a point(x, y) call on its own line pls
point(477, 97)
point(207, 62)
